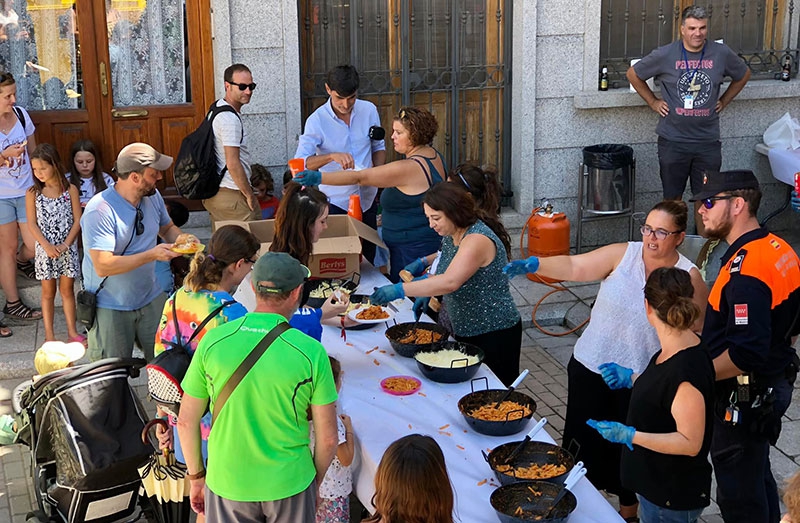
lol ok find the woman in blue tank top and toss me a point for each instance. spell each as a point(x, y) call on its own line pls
point(470, 277)
point(405, 182)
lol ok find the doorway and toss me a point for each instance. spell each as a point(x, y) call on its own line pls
point(112, 71)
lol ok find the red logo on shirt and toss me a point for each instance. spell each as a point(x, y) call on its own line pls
point(740, 314)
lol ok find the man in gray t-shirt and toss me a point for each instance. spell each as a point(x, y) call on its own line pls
point(690, 71)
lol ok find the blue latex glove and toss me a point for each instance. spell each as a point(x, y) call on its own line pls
point(417, 267)
point(795, 201)
point(308, 178)
point(614, 432)
point(616, 376)
point(420, 305)
point(520, 267)
point(387, 293)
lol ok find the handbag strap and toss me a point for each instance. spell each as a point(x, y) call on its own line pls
point(245, 367)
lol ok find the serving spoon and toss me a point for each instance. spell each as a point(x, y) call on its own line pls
point(513, 386)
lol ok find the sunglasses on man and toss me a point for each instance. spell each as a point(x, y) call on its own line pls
point(244, 87)
point(708, 203)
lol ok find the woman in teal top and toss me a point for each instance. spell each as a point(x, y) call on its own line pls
point(405, 182)
point(470, 276)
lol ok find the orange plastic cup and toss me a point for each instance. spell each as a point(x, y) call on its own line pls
point(297, 165)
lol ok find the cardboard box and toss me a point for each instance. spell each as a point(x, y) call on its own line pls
point(337, 254)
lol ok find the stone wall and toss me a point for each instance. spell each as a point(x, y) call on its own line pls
point(263, 34)
point(557, 109)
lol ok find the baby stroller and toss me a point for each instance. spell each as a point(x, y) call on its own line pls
point(83, 426)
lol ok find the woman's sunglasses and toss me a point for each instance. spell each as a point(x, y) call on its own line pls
point(708, 203)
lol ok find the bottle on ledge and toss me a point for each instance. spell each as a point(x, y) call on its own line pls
point(603, 79)
point(786, 70)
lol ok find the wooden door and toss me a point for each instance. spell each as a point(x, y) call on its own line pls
point(114, 71)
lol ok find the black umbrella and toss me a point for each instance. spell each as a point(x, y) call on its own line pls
point(165, 483)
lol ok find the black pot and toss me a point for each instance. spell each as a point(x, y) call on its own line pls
point(401, 330)
point(451, 374)
point(513, 423)
point(507, 499)
point(534, 452)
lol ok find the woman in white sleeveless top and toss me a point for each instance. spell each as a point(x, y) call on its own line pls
point(618, 331)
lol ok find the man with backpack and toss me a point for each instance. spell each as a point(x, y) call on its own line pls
point(235, 199)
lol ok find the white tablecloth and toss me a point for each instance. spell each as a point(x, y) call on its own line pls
point(379, 418)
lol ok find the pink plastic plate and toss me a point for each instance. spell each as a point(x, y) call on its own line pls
point(417, 385)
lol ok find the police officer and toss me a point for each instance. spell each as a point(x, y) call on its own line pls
point(750, 321)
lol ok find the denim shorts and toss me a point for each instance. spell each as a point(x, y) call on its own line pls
point(12, 210)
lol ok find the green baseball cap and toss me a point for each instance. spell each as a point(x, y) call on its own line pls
point(278, 272)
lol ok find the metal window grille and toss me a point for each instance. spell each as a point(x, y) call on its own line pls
point(451, 57)
point(763, 32)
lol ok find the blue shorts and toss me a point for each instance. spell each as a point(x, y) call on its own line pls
point(12, 210)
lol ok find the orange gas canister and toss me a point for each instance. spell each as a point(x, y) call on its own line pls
point(548, 235)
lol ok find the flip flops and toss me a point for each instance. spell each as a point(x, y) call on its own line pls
point(5, 332)
point(80, 338)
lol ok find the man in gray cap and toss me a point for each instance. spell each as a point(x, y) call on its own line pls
point(273, 475)
point(119, 229)
point(751, 318)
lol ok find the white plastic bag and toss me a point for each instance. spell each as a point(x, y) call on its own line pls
point(783, 134)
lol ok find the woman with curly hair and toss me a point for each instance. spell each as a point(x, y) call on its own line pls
point(405, 182)
point(475, 249)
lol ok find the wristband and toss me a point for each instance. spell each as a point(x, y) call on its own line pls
point(199, 475)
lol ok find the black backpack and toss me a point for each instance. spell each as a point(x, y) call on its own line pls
point(195, 173)
point(167, 370)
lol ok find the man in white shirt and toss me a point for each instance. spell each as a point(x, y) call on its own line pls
point(235, 199)
point(338, 136)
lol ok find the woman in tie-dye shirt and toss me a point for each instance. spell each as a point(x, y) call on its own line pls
point(212, 280)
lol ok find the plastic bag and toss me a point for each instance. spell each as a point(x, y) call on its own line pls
point(783, 134)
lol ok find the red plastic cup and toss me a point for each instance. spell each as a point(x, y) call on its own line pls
point(297, 165)
point(354, 209)
point(797, 183)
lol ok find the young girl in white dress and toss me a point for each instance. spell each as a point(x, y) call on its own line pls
point(334, 505)
point(53, 208)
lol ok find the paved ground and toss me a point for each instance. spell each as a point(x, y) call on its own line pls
point(544, 355)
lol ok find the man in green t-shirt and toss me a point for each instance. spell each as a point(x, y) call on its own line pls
point(260, 466)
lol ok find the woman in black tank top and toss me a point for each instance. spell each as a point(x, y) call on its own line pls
point(668, 428)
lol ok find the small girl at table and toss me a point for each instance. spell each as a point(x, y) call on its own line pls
point(53, 208)
point(334, 505)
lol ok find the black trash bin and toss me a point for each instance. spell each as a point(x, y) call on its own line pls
point(608, 171)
